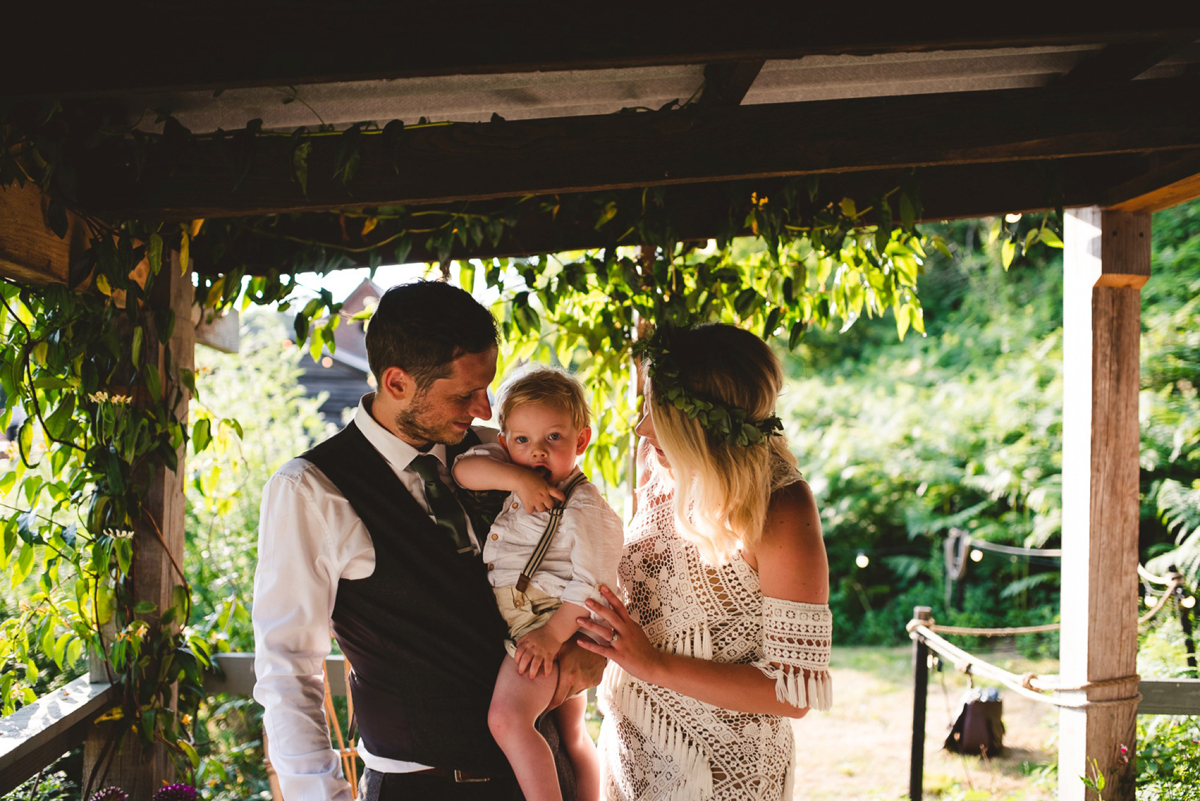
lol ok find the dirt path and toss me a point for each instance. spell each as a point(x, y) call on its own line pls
point(860, 750)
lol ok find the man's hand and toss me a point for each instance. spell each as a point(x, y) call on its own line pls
point(537, 494)
point(577, 670)
point(536, 651)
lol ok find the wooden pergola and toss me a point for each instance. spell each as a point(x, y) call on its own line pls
point(1095, 113)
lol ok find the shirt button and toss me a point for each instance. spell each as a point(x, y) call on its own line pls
point(491, 566)
point(515, 504)
point(495, 536)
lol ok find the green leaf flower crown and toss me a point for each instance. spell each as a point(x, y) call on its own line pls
point(728, 424)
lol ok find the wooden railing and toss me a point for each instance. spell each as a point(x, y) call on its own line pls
point(37, 735)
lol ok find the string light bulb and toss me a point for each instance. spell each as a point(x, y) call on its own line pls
point(1188, 602)
point(1012, 218)
point(862, 560)
point(976, 555)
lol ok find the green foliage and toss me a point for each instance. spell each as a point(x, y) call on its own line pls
point(259, 389)
point(1169, 759)
point(904, 441)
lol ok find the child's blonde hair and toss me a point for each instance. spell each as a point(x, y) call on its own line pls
point(549, 386)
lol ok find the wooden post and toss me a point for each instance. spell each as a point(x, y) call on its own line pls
point(1106, 262)
point(916, 767)
point(136, 770)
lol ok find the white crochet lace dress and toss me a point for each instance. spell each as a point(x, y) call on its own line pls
point(658, 744)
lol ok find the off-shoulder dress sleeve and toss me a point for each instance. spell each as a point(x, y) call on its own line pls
point(797, 640)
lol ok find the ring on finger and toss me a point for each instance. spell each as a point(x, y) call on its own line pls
point(613, 638)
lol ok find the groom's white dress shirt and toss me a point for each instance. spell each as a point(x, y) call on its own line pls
point(309, 539)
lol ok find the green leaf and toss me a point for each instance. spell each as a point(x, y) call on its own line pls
point(60, 649)
point(796, 334)
point(1007, 251)
point(201, 434)
point(466, 275)
point(124, 552)
point(902, 320)
point(74, 651)
point(848, 207)
point(1031, 236)
point(772, 322)
point(1050, 238)
point(138, 336)
point(24, 564)
point(25, 440)
point(185, 242)
point(192, 756)
point(144, 607)
point(153, 382)
point(300, 164)
point(745, 302)
point(942, 247)
point(154, 251)
point(908, 213)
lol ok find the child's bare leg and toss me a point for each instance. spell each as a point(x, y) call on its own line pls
point(579, 747)
point(516, 704)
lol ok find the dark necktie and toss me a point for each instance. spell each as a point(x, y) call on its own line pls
point(443, 504)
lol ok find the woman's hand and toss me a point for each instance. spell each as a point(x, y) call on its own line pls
point(537, 494)
point(628, 646)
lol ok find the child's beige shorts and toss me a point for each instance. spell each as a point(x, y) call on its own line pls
point(524, 611)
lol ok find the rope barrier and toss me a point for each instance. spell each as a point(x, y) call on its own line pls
point(1146, 575)
point(1174, 582)
point(1030, 685)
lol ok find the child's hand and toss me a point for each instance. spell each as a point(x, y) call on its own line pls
point(537, 651)
point(537, 494)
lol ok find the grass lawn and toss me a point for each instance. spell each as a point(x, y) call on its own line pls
point(860, 749)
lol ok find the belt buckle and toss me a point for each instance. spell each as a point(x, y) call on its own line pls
point(461, 777)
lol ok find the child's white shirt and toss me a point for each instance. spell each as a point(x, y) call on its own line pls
point(585, 551)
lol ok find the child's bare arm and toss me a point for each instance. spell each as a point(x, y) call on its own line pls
point(538, 649)
point(481, 472)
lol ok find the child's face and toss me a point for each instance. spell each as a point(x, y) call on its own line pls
point(544, 437)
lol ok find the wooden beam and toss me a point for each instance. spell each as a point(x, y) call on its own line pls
point(1177, 181)
point(30, 252)
point(159, 544)
point(694, 212)
point(1106, 261)
point(695, 145)
point(1124, 61)
point(726, 83)
point(369, 39)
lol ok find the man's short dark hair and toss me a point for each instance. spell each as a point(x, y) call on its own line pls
point(423, 326)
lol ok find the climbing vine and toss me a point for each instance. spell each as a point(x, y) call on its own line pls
point(91, 360)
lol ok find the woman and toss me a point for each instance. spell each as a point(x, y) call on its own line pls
point(725, 629)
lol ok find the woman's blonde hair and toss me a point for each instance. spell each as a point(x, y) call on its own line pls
point(722, 489)
point(547, 386)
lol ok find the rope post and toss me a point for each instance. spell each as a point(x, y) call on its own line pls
point(916, 775)
point(1185, 623)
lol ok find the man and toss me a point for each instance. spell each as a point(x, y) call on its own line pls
point(364, 532)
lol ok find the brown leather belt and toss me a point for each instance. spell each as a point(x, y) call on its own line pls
point(459, 776)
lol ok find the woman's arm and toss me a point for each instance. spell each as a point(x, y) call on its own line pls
point(793, 567)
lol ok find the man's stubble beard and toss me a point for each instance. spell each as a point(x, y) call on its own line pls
point(413, 422)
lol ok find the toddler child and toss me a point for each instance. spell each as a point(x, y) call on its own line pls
point(544, 425)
